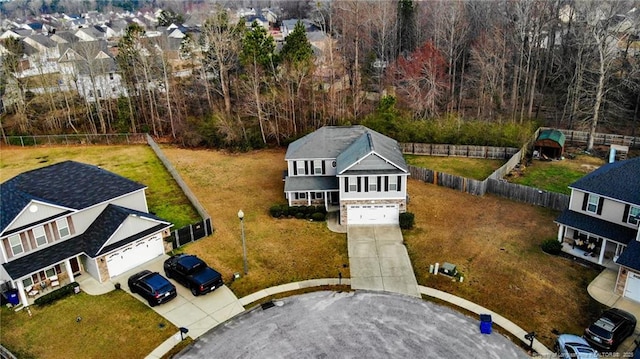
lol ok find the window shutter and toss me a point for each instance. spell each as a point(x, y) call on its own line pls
point(324, 171)
point(359, 186)
point(386, 183)
point(295, 195)
point(626, 213)
point(399, 183)
point(295, 168)
point(346, 184)
point(585, 201)
point(575, 234)
point(379, 187)
point(366, 184)
point(600, 203)
point(306, 167)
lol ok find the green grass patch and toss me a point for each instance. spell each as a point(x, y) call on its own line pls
point(555, 176)
point(111, 325)
point(475, 168)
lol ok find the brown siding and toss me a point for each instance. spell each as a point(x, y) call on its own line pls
point(49, 233)
point(30, 241)
point(54, 231)
point(7, 248)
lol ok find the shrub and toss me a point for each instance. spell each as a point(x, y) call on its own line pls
point(56, 294)
point(300, 215)
point(276, 211)
point(407, 220)
point(552, 246)
point(318, 217)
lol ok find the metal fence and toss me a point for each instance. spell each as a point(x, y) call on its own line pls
point(86, 139)
point(6, 354)
point(500, 153)
point(191, 233)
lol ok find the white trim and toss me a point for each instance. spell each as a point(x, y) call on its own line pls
point(66, 226)
point(26, 208)
point(597, 198)
point(19, 242)
point(40, 235)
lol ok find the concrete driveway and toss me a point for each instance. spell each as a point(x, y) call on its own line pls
point(198, 314)
point(378, 260)
point(352, 325)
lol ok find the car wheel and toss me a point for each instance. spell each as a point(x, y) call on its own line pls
point(167, 274)
point(151, 303)
point(194, 291)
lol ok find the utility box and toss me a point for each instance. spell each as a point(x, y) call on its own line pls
point(485, 323)
point(448, 269)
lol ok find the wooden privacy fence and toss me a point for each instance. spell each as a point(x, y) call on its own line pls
point(499, 153)
point(52, 140)
point(458, 183)
point(530, 195)
point(191, 233)
point(607, 139)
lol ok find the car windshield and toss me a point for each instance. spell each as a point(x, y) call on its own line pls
point(602, 328)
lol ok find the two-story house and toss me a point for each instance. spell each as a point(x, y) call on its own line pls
point(71, 218)
point(353, 169)
point(601, 223)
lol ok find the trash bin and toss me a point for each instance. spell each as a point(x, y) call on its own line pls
point(12, 297)
point(485, 323)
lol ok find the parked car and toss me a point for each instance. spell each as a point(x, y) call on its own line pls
point(611, 329)
point(570, 346)
point(193, 273)
point(152, 286)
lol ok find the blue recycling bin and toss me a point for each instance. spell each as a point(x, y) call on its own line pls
point(12, 296)
point(485, 323)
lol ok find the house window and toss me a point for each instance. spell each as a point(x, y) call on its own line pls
point(50, 272)
point(300, 165)
point(592, 204)
point(373, 184)
point(353, 184)
point(634, 215)
point(41, 237)
point(316, 195)
point(16, 244)
point(302, 195)
point(333, 164)
point(27, 282)
point(63, 228)
point(393, 183)
point(317, 167)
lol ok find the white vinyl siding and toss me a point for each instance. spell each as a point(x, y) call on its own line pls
point(16, 244)
point(41, 237)
point(63, 227)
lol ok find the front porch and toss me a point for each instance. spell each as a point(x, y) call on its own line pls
point(589, 256)
point(45, 287)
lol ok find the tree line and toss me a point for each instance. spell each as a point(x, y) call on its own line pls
point(563, 63)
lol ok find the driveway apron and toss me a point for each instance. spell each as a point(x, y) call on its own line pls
point(379, 260)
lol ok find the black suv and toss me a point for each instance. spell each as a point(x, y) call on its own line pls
point(153, 287)
point(611, 329)
point(193, 273)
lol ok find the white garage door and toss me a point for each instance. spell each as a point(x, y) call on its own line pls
point(632, 291)
point(372, 214)
point(134, 255)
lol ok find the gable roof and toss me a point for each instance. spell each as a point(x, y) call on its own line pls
point(368, 143)
point(64, 184)
point(630, 257)
point(617, 180)
point(552, 135)
point(90, 242)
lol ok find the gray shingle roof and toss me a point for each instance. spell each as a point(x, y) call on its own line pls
point(596, 226)
point(90, 242)
point(68, 184)
point(618, 180)
point(311, 183)
point(347, 144)
point(631, 256)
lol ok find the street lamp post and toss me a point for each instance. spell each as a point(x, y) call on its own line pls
point(244, 246)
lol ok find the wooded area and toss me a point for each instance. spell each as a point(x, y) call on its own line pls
point(566, 64)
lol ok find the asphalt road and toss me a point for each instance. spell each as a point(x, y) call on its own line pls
point(351, 325)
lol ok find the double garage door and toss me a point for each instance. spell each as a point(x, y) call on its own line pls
point(632, 290)
point(373, 214)
point(134, 255)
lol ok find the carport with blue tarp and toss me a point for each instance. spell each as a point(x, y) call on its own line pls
point(549, 144)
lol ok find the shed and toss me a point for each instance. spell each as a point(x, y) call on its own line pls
point(550, 144)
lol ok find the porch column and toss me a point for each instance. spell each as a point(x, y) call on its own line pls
point(326, 200)
point(308, 198)
point(602, 247)
point(23, 295)
point(67, 267)
point(560, 233)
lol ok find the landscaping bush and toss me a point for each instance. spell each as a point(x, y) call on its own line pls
point(300, 215)
point(407, 220)
point(318, 217)
point(56, 294)
point(276, 211)
point(552, 246)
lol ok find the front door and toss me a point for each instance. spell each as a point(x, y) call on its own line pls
point(75, 266)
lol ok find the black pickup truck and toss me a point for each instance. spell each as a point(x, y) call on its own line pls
point(193, 273)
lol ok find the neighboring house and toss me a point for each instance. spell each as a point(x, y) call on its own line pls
point(355, 169)
point(71, 218)
point(601, 223)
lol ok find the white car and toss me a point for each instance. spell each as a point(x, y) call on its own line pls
point(569, 346)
